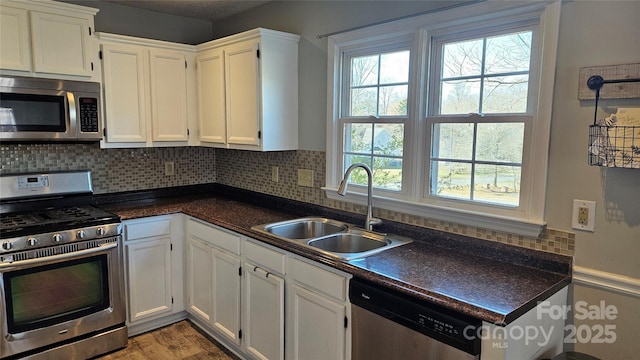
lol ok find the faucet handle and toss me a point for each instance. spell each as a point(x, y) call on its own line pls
point(375, 221)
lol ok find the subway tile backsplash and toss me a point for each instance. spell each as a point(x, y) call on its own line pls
point(117, 170)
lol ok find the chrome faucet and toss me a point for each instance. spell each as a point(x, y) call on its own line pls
point(342, 190)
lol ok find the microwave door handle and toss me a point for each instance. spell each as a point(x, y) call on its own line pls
point(72, 121)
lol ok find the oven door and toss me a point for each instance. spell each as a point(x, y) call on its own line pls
point(54, 299)
point(37, 114)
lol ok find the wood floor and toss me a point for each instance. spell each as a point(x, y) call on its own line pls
point(177, 341)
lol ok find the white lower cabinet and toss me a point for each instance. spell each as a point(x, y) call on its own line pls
point(318, 310)
point(251, 296)
point(153, 268)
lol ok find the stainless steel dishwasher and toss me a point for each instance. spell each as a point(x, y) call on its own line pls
point(387, 324)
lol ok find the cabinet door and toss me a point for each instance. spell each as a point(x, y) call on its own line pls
point(199, 279)
point(242, 93)
point(168, 74)
point(318, 326)
point(211, 103)
point(15, 52)
point(225, 313)
point(124, 93)
point(61, 44)
point(264, 313)
point(149, 276)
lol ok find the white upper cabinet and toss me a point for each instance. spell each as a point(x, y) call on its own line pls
point(147, 87)
point(125, 93)
point(248, 91)
point(47, 39)
point(210, 75)
point(168, 95)
point(15, 52)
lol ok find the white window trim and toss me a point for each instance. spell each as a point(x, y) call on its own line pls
point(531, 221)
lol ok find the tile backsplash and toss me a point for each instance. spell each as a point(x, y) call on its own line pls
point(252, 171)
point(113, 170)
point(117, 170)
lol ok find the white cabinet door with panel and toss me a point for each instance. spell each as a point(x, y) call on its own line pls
point(125, 93)
point(61, 44)
point(15, 52)
point(263, 299)
point(47, 39)
point(146, 85)
point(211, 113)
point(199, 279)
point(219, 278)
point(318, 309)
point(153, 271)
point(259, 93)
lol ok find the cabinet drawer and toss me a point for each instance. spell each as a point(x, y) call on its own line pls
point(212, 235)
point(139, 229)
point(319, 279)
point(264, 257)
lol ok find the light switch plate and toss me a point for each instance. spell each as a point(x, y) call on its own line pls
point(274, 174)
point(169, 168)
point(305, 177)
point(583, 215)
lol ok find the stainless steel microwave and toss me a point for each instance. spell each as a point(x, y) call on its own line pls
point(36, 109)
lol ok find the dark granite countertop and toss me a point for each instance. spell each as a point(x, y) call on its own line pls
point(493, 282)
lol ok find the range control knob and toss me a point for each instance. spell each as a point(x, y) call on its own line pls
point(100, 231)
point(32, 241)
point(82, 234)
point(56, 238)
point(7, 245)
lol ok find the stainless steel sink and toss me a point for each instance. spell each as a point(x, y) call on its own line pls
point(332, 238)
point(305, 228)
point(349, 243)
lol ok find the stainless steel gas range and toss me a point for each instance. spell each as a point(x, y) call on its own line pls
point(61, 280)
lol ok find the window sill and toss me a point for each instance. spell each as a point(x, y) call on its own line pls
point(505, 224)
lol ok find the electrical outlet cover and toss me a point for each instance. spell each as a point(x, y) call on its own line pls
point(583, 215)
point(305, 177)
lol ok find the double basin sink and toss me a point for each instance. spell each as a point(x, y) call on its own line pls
point(333, 238)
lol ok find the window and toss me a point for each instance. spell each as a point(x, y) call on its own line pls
point(375, 109)
point(451, 111)
point(479, 158)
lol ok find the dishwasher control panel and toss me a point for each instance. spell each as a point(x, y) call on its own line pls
point(429, 319)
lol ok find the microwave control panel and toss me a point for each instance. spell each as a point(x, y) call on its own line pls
point(89, 115)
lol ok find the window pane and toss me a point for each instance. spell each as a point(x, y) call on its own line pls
point(358, 176)
point(462, 59)
point(500, 142)
point(363, 101)
point(505, 94)
point(508, 53)
point(364, 70)
point(393, 100)
point(394, 68)
point(460, 97)
point(389, 139)
point(452, 141)
point(453, 179)
point(387, 173)
point(497, 184)
point(357, 138)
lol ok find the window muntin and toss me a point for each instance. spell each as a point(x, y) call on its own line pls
point(485, 75)
point(375, 111)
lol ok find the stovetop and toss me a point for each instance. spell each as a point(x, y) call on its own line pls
point(53, 219)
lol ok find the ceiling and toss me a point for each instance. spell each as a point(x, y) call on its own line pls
point(210, 10)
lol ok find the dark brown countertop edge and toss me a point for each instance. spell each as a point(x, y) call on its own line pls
point(177, 200)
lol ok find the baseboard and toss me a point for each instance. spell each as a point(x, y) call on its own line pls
point(606, 281)
point(137, 329)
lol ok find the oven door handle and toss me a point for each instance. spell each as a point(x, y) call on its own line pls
point(53, 258)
